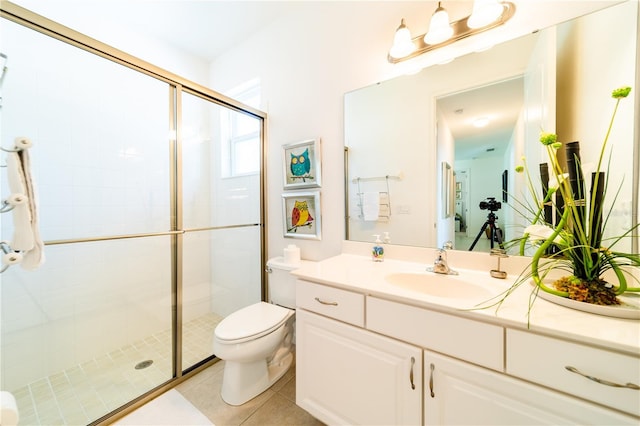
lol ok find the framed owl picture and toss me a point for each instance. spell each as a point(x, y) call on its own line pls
point(301, 214)
point(302, 166)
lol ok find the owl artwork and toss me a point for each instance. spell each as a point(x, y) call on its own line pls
point(300, 215)
point(300, 165)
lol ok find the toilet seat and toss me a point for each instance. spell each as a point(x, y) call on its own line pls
point(251, 322)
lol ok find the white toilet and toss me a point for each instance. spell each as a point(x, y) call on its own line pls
point(255, 341)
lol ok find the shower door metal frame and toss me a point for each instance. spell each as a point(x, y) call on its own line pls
point(177, 85)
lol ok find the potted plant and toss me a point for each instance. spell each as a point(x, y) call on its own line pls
point(574, 243)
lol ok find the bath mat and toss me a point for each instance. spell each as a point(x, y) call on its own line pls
point(170, 408)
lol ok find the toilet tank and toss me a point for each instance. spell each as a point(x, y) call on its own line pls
point(281, 284)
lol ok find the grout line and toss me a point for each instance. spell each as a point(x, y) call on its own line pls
point(104, 383)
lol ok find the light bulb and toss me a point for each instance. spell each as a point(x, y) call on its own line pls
point(402, 43)
point(439, 28)
point(484, 13)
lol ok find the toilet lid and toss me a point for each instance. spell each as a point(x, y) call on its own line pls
point(252, 321)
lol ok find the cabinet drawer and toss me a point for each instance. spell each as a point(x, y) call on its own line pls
point(342, 305)
point(462, 338)
point(547, 361)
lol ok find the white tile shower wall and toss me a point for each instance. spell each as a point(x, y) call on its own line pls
point(100, 134)
point(196, 292)
point(100, 159)
point(236, 269)
point(238, 200)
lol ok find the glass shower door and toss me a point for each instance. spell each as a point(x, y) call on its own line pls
point(90, 329)
point(221, 204)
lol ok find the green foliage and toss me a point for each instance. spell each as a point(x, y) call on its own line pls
point(575, 244)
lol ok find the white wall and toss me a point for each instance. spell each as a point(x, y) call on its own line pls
point(590, 126)
point(485, 180)
point(306, 61)
point(512, 216)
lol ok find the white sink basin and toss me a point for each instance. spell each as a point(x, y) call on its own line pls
point(449, 286)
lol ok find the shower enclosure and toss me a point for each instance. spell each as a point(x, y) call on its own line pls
point(151, 209)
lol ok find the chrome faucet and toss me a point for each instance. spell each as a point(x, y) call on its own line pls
point(440, 265)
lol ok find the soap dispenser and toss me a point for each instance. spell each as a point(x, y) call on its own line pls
point(377, 252)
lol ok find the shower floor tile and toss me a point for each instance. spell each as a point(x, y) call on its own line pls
point(86, 392)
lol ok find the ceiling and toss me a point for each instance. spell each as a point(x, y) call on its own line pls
point(203, 28)
point(501, 103)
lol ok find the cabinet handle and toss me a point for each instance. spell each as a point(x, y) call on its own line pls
point(326, 303)
point(433, 395)
point(602, 381)
point(413, 362)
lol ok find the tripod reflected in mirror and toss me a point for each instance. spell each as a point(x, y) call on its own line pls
point(494, 232)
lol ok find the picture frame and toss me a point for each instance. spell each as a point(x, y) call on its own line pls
point(505, 186)
point(302, 164)
point(301, 214)
point(448, 189)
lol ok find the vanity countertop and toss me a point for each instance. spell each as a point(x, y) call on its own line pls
point(358, 273)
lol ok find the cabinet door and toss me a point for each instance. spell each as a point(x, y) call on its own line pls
point(347, 375)
point(460, 393)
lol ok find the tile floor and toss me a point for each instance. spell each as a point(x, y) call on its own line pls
point(275, 406)
point(86, 392)
point(463, 243)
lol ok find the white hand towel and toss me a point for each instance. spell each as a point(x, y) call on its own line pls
point(26, 234)
point(22, 232)
point(34, 257)
point(371, 205)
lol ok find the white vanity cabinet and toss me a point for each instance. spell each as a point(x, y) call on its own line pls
point(359, 360)
point(347, 375)
point(459, 393)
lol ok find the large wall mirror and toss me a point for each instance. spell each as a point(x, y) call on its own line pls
point(399, 133)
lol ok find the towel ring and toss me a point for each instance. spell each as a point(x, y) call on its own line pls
point(12, 201)
point(20, 143)
point(10, 257)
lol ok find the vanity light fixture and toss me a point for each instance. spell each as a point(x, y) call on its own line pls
point(486, 14)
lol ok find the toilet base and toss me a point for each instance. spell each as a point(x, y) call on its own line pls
point(244, 381)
